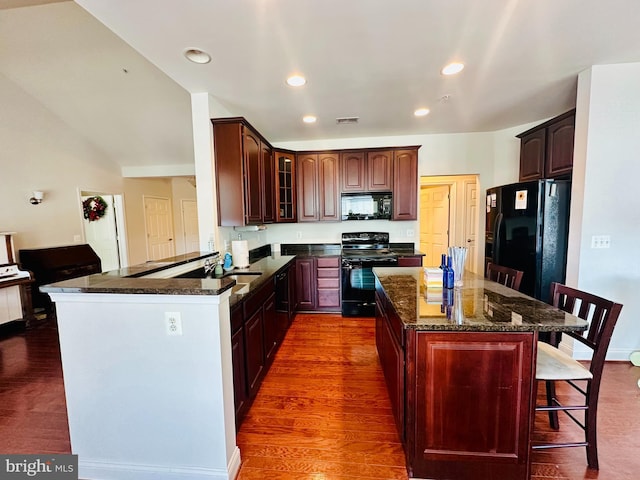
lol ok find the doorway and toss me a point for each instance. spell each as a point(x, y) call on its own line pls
point(107, 236)
point(159, 227)
point(454, 198)
point(190, 232)
point(434, 222)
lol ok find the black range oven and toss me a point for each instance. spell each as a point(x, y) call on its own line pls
point(361, 251)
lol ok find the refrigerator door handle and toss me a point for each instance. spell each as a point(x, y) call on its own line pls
point(497, 226)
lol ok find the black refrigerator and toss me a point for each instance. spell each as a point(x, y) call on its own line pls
point(527, 227)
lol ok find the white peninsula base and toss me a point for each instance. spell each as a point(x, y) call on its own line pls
point(144, 404)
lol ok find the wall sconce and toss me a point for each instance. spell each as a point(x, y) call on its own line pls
point(37, 197)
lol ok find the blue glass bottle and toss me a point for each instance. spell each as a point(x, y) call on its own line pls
point(448, 277)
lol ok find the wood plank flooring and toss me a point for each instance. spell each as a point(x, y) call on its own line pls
point(322, 412)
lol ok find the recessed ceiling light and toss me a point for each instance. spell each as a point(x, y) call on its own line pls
point(421, 112)
point(452, 68)
point(296, 81)
point(197, 56)
point(309, 119)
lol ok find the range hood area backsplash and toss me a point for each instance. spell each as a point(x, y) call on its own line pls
point(320, 232)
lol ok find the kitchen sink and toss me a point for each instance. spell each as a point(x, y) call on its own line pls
point(199, 273)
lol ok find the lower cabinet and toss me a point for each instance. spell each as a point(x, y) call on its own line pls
point(391, 356)
point(240, 392)
point(306, 283)
point(255, 348)
point(410, 260)
point(256, 334)
point(461, 400)
point(318, 284)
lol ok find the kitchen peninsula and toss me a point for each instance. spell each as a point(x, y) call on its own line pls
point(147, 364)
point(460, 369)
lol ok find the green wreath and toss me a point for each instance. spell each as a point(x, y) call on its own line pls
point(94, 208)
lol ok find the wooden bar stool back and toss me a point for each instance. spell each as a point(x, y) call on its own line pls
point(504, 275)
point(553, 365)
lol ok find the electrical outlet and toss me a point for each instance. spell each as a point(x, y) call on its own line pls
point(77, 239)
point(298, 235)
point(410, 232)
point(601, 241)
point(173, 323)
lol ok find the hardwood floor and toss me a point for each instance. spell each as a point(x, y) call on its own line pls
point(321, 413)
point(33, 413)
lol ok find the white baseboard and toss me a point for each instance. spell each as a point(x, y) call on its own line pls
point(117, 471)
point(613, 354)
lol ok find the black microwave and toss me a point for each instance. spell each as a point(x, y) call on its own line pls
point(366, 206)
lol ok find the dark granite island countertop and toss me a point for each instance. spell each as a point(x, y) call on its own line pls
point(479, 305)
point(460, 370)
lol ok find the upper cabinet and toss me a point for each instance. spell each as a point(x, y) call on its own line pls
point(318, 188)
point(366, 171)
point(244, 174)
point(285, 165)
point(259, 184)
point(546, 151)
point(405, 184)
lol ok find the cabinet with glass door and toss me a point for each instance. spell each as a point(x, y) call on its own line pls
point(285, 186)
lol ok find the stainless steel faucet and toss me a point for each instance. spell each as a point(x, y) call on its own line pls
point(210, 265)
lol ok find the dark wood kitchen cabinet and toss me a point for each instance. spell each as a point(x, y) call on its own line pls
point(257, 331)
point(267, 179)
point(328, 283)
point(366, 171)
point(244, 174)
point(240, 393)
point(318, 284)
point(285, 190)
point(461, 400)
point(405, 184)
point(410, 260)
point(254, 332)
point(391, 353)
point(306, 283)
point(546, 151)
point(470, 400)
point(317, 187)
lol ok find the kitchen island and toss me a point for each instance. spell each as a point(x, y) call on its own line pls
point(147, 364)
point(460, 369)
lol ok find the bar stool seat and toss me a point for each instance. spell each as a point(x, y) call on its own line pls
point(553, 364)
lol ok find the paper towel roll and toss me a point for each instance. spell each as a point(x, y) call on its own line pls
point(240, 252)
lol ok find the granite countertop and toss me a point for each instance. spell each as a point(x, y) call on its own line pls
point(479, 305)
point(131, 280)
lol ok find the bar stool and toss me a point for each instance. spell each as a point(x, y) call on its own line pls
point(504, 275)
point(553, 365)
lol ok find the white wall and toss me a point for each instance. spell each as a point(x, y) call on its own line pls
point(604, 200)
point(41, 152)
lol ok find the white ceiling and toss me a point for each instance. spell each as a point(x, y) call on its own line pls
point(378, 60)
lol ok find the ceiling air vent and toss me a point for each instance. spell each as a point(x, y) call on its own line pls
point(347, 120)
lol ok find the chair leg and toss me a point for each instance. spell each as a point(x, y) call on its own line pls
point(590, 431)
point(551, 395)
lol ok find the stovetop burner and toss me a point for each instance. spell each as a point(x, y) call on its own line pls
point(366, 246)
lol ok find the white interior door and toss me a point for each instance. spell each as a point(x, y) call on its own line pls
point(159, 228)
point(434, 223)
point(102, 235)
point(471, 224)
point(190, 226)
